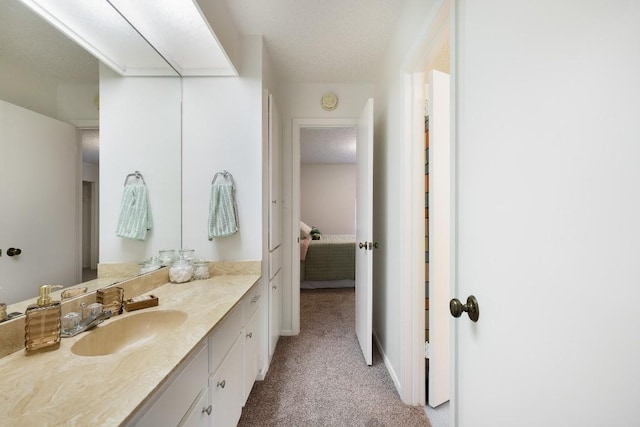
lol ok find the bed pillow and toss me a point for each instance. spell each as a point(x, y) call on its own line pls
point(304, 247)
point(305, 230)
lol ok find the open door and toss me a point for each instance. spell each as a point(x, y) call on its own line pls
point(547, 212)
point(364, 232)
point(439, 237)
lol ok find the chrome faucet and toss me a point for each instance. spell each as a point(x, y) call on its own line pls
point(93, 319)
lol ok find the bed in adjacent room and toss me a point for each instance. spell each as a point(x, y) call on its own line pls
point(327, 261)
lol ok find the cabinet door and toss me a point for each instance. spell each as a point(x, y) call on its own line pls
point(252, 346)
point(181, 393)
point(225, 387)
point(200, 413)
point(275, 311)
point(275, 180)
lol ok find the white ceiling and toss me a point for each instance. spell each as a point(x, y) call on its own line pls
point(328, 145)
point(328, 41)
point(310, 41)
point(28, 42)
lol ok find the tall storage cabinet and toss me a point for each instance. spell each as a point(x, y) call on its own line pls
point(275, 226)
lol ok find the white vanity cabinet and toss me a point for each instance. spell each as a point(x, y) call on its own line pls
point(215, 382)
point(178, 399)
point(226, 388)
point(236, 358)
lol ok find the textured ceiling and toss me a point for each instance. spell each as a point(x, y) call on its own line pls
point(328, 41)
point(328, 145)
point(29, 42)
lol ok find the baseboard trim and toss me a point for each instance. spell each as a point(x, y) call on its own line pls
point(387, 363)
point(286, 333)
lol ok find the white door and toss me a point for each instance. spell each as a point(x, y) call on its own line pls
point(364, 232)
point(547, 100)
point(439, 237)
point(275, 311)
point(39, 189)
point(275, 180)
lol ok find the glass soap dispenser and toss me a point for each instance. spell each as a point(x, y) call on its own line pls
point(42, 323)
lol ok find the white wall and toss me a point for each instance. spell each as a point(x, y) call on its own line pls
point(328, 197)
point(302, 100)
point(139, 130)
point(222, 129)
point(392, 192)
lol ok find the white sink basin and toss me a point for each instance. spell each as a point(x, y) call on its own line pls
point(128, 332)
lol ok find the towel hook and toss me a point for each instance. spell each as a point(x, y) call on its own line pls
point(136, 175)
point(225, 174)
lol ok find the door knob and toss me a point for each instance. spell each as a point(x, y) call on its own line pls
point(362, 245)
point(14, 251)
point(471, 307)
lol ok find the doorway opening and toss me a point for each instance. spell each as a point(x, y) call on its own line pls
point(89, 139)
point(316, 169)
point(327, 206)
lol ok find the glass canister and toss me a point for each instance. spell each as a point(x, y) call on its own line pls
point(149, 265)
point(201, 269)
point(167, 257)
point(181, 271)
point(188, 254)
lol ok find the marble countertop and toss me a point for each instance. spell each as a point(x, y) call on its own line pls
point(61, 388)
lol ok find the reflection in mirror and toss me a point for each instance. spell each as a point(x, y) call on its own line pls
point(49, 189)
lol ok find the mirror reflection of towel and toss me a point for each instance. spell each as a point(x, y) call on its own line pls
point(223, 215)
point(135, 213)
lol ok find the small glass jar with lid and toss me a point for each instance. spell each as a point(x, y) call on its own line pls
point(188, 254)
point(201, 269)
point(167, 257)
point(181, 271)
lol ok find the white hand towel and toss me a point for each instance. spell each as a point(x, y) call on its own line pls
point(135, 213)
point(223, 215)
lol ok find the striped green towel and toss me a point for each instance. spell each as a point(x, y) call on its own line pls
point(135, 213)
point(223, 215)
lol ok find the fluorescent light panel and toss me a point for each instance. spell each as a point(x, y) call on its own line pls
point(176, 28)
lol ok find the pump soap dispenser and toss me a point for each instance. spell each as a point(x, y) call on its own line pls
point(42, 323)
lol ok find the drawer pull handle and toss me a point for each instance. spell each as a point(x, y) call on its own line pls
point(249, 335)
point(221, 384)
point(207, 410)
point(255, 299)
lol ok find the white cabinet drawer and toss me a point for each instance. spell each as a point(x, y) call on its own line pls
point(252, 360)
point(225, 387)
point(180, 393)
point(200, 413)
point(224, 335)
point(275, 262)
point(252, 301)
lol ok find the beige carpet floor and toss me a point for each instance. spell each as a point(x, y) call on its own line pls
point(319, 378)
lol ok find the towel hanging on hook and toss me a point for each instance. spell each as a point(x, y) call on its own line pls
point(223, 211)
point(135, 210)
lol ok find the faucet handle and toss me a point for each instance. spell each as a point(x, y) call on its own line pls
point(95, 309)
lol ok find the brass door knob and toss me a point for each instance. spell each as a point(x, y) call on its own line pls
point(471, 307)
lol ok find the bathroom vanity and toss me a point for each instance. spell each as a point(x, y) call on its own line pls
point(193, 363)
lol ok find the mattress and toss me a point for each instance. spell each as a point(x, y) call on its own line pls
point(333, 257)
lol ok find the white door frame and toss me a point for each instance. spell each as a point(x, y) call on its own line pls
point(297, 125)
point(424, 51)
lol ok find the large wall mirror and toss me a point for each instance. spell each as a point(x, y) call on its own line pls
point(59, 192)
